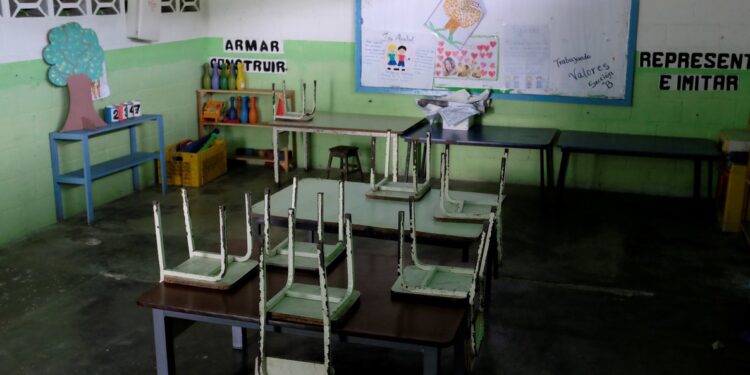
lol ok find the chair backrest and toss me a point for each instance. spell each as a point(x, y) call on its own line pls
point(261, 362)
point(478, 287)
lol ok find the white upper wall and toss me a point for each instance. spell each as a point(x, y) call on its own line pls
point(329, 20)
point(24, 38)
point(668, 25)
point(694, 25)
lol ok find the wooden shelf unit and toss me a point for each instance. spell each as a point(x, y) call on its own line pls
point(202, 95)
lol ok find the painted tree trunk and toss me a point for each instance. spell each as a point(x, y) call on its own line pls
point(81, 112)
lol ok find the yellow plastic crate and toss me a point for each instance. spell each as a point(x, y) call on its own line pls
point(196, 169)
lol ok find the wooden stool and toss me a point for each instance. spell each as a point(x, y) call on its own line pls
point(344, 153)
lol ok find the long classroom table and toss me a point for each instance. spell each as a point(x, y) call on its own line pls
point(541, 139)
point(696, 150)
point(377, 320)
point(374, 126)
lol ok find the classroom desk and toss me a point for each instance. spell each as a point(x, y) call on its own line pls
point(374, 126)
point(541, 139)
point(374, 218)
point(377, 320)
point(695, 149)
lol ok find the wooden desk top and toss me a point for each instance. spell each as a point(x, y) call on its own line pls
point(368, 215)
point(487, 136)
point(638, 145)
point(353, 122)
point(377, 315)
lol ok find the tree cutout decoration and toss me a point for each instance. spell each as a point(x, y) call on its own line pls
point(76, 60)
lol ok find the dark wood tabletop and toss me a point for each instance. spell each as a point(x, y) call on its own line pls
point(377, 316)
point(487, 136)
point(638, 145)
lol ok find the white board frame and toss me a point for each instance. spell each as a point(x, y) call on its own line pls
point(625, 101)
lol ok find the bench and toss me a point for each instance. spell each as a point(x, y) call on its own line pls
point(695, 149)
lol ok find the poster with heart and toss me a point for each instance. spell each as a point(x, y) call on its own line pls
point(477, 62)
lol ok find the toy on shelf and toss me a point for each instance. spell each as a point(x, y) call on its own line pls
point(298, 301)
point(314, 299)
point(122, 111)
point(244, 109)
point(215, 77)
point(389, 188)
point(212, 110)
point(206, 78)
point(241, 80)
point(232, 112)
point(465, 210)
point(205, 269)
point(231, 77)
point(280, 109)
point(305, 257)
point(433, 280)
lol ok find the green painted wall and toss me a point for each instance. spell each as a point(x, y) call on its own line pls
point(691, 114)
point(164, 77)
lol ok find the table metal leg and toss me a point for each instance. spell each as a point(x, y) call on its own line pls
point(239, 337)
point(459, 354)
point(431, 361)
point(88, 184)
point(163, 343)
point(373, 148)
point(541, 168)
point(275, 141)
point(133, 150)
point(696, 178)
point(57, 189)
point(563, 170)
point(306, 150)
point(550, 167)
point(163, 154)
point(408, 159)
point(710, 178)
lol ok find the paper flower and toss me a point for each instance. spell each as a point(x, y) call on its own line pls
point(72, 50)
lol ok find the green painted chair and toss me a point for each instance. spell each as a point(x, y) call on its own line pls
point(389, 187)
point(206, 269)
point(301, 302)
point(265, 365)
point(305, 257)
point(433, 280)
point(463, 210)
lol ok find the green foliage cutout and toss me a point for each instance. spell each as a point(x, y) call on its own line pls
point(72, 50)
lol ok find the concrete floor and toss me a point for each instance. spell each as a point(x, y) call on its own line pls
point(599, 283)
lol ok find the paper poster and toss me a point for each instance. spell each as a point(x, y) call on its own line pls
point(455, 20)
point(100, 87)
point(478, 60)
point(397, 59)
point(525, 56)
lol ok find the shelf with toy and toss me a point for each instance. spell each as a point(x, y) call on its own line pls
point(211, 113)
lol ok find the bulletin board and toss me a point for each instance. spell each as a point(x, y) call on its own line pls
point(579, 51)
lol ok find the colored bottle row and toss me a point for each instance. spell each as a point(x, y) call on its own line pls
point(223, 76)
point(246, 111)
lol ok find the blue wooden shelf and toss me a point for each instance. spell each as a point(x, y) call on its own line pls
point(108, 167)
point(88, 173)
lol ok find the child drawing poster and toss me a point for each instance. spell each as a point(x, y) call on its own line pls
point(397, 59)
point(455, 20)
point(474, 66)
